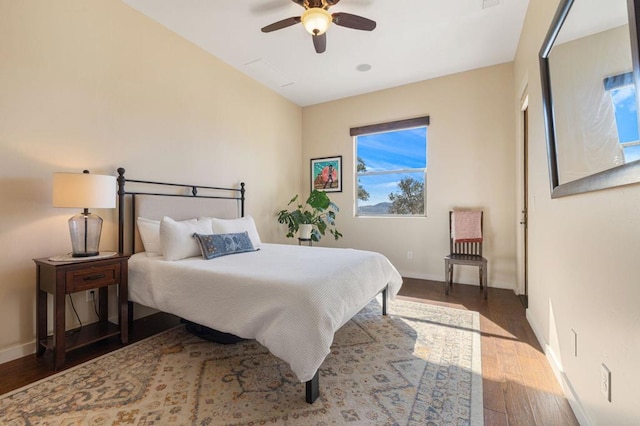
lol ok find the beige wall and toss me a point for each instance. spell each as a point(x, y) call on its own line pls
point(470, 152)
point(97, 85)
point(583, 265)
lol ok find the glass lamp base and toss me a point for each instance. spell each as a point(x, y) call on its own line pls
point(85, 229)
point(85, 254)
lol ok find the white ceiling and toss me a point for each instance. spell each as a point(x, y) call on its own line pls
point(414, 40)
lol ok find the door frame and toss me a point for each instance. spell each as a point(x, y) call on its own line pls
point(522, 198)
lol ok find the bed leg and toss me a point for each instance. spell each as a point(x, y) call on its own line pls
point(313, 389)
point(384, 300)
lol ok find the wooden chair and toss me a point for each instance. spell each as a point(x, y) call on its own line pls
point(465, 253)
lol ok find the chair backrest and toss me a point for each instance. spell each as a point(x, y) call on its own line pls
point(466, 247)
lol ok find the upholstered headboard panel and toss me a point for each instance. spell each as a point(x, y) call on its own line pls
point(159, 199)
point(180, 208)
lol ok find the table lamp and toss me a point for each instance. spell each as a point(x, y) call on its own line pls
point(84, 190)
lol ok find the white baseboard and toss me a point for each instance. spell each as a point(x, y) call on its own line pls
point(29, 348)
point(562, 378)
point(16, 352)
point(141, 311)
point(25, 349)
point(436, 277)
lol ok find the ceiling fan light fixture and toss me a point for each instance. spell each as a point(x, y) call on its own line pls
point(316, 20)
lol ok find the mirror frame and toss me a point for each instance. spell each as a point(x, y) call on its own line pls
point(621, 175)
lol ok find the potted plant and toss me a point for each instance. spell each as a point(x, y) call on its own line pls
point(318, 212)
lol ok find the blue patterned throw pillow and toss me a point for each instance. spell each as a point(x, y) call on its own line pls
point(216, 245)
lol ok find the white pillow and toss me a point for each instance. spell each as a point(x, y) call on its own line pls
point(232, 226)
point(150, 235)
point(177, 239)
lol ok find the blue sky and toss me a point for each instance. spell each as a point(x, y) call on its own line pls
point(624, 103)
point(626, 110)
point(402, 149)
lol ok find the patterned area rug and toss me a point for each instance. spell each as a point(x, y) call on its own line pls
point(419, 365)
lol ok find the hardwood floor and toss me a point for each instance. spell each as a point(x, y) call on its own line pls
point(518, 384)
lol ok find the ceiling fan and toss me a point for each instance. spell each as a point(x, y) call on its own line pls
point(316, 20)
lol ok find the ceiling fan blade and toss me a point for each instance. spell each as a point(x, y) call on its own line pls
point(353, 21)
point(320, 42)
point(282, 24)
point(300, 2)
point(332, 2)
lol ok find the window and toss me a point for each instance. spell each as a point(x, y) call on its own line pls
point(391, 168)
point(623, 96)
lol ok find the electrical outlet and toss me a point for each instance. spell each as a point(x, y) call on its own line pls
point(574, 342)
point(91, 294)
point(605, 382)
point(409, 255)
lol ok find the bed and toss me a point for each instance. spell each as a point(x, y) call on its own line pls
point(291, 299)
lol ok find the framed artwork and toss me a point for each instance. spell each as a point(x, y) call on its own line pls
point(326, 174)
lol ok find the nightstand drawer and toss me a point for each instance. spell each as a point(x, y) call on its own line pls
point(93, 277)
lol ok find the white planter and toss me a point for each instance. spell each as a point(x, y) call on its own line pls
point(304, 231)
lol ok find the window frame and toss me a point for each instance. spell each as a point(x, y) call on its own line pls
point(616, 82)
point(406, 124)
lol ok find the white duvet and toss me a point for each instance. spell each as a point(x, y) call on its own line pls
point(291, 299)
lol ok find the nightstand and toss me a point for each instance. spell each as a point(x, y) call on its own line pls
point(62, 278)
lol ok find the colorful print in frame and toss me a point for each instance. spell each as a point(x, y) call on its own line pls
point(326, 174)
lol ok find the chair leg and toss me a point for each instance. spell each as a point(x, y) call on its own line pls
point(486, 281)
point(446, 278)
point(480, 275)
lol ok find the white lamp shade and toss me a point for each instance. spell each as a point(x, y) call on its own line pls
point(84, 190)
point(316, 20)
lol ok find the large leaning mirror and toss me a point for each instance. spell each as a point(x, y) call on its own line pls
point(589, 74)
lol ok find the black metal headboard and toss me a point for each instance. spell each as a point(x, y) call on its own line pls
point(193, 189)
